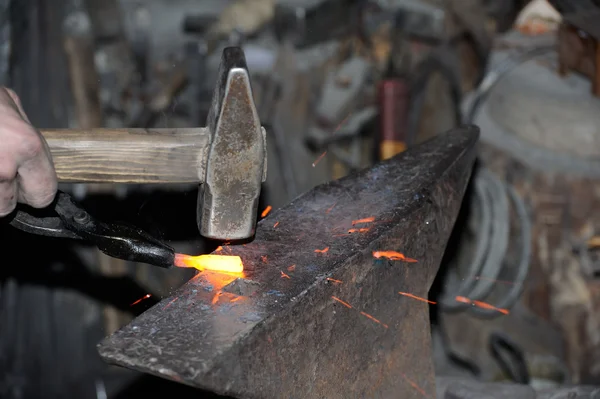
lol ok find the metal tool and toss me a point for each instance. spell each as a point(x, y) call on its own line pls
point(316, 314)
point(342, 93)
point(65, 219)
point(228, 157)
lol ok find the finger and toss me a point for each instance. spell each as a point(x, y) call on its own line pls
point(8, 196)
point(17, 102)
point(8, 183)
point(36, 176)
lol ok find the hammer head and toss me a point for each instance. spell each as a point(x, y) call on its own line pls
point(236, 160)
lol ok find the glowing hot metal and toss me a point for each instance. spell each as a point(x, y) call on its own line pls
point(221, 263)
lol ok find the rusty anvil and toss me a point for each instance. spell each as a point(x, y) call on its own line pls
point(317, 313)
point(227, 157)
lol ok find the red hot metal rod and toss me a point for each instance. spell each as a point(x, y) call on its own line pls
point(220, 263)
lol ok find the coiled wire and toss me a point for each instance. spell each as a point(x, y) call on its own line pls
point(491, 208)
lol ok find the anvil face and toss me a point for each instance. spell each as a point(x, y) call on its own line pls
point(317, 311)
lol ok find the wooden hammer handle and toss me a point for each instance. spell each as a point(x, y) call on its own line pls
point(129, 155)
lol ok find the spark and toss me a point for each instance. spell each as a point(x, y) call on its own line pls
point(480, 304)
point(334, 280)
point(365, 220)
point(291, 268)
point(374, 319)
point(237, 298)
point(170, 303)
point(484, 305)
point(222, 263)
point(276, 224)
point(363, 230)
point(266, 211)
point(318, 159)
point(415, 386)
point(329, 209)
point(341, 123)
point(216, 297)
point(322, 251)
point(346, 304)
point(264, 258)
point(462, 299)
point(141, 299)
point(418, 298)
point(283, 275)
point(393, 255)
point(219, 249)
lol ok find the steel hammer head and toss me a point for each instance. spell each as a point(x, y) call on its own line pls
point(237, 155)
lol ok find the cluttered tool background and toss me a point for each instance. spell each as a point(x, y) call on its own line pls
point(339, 86)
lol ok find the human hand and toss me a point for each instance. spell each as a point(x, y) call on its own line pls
point(26, 171)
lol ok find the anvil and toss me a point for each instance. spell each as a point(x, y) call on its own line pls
point(317, 312)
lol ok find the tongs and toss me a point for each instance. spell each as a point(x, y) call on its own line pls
point(65, 219)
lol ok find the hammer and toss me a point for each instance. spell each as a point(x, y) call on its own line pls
point(227, 157)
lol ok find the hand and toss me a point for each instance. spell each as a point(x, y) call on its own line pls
point(26, 171)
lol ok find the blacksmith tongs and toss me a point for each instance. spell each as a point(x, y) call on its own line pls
point(65, 219)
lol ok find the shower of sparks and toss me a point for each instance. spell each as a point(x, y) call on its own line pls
point(365, 220)
point(322, 251)
point(368, 316)
point(319, 159)
point(141, 299)
point(266, 211)
point(393, 255)
point(418, 298)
